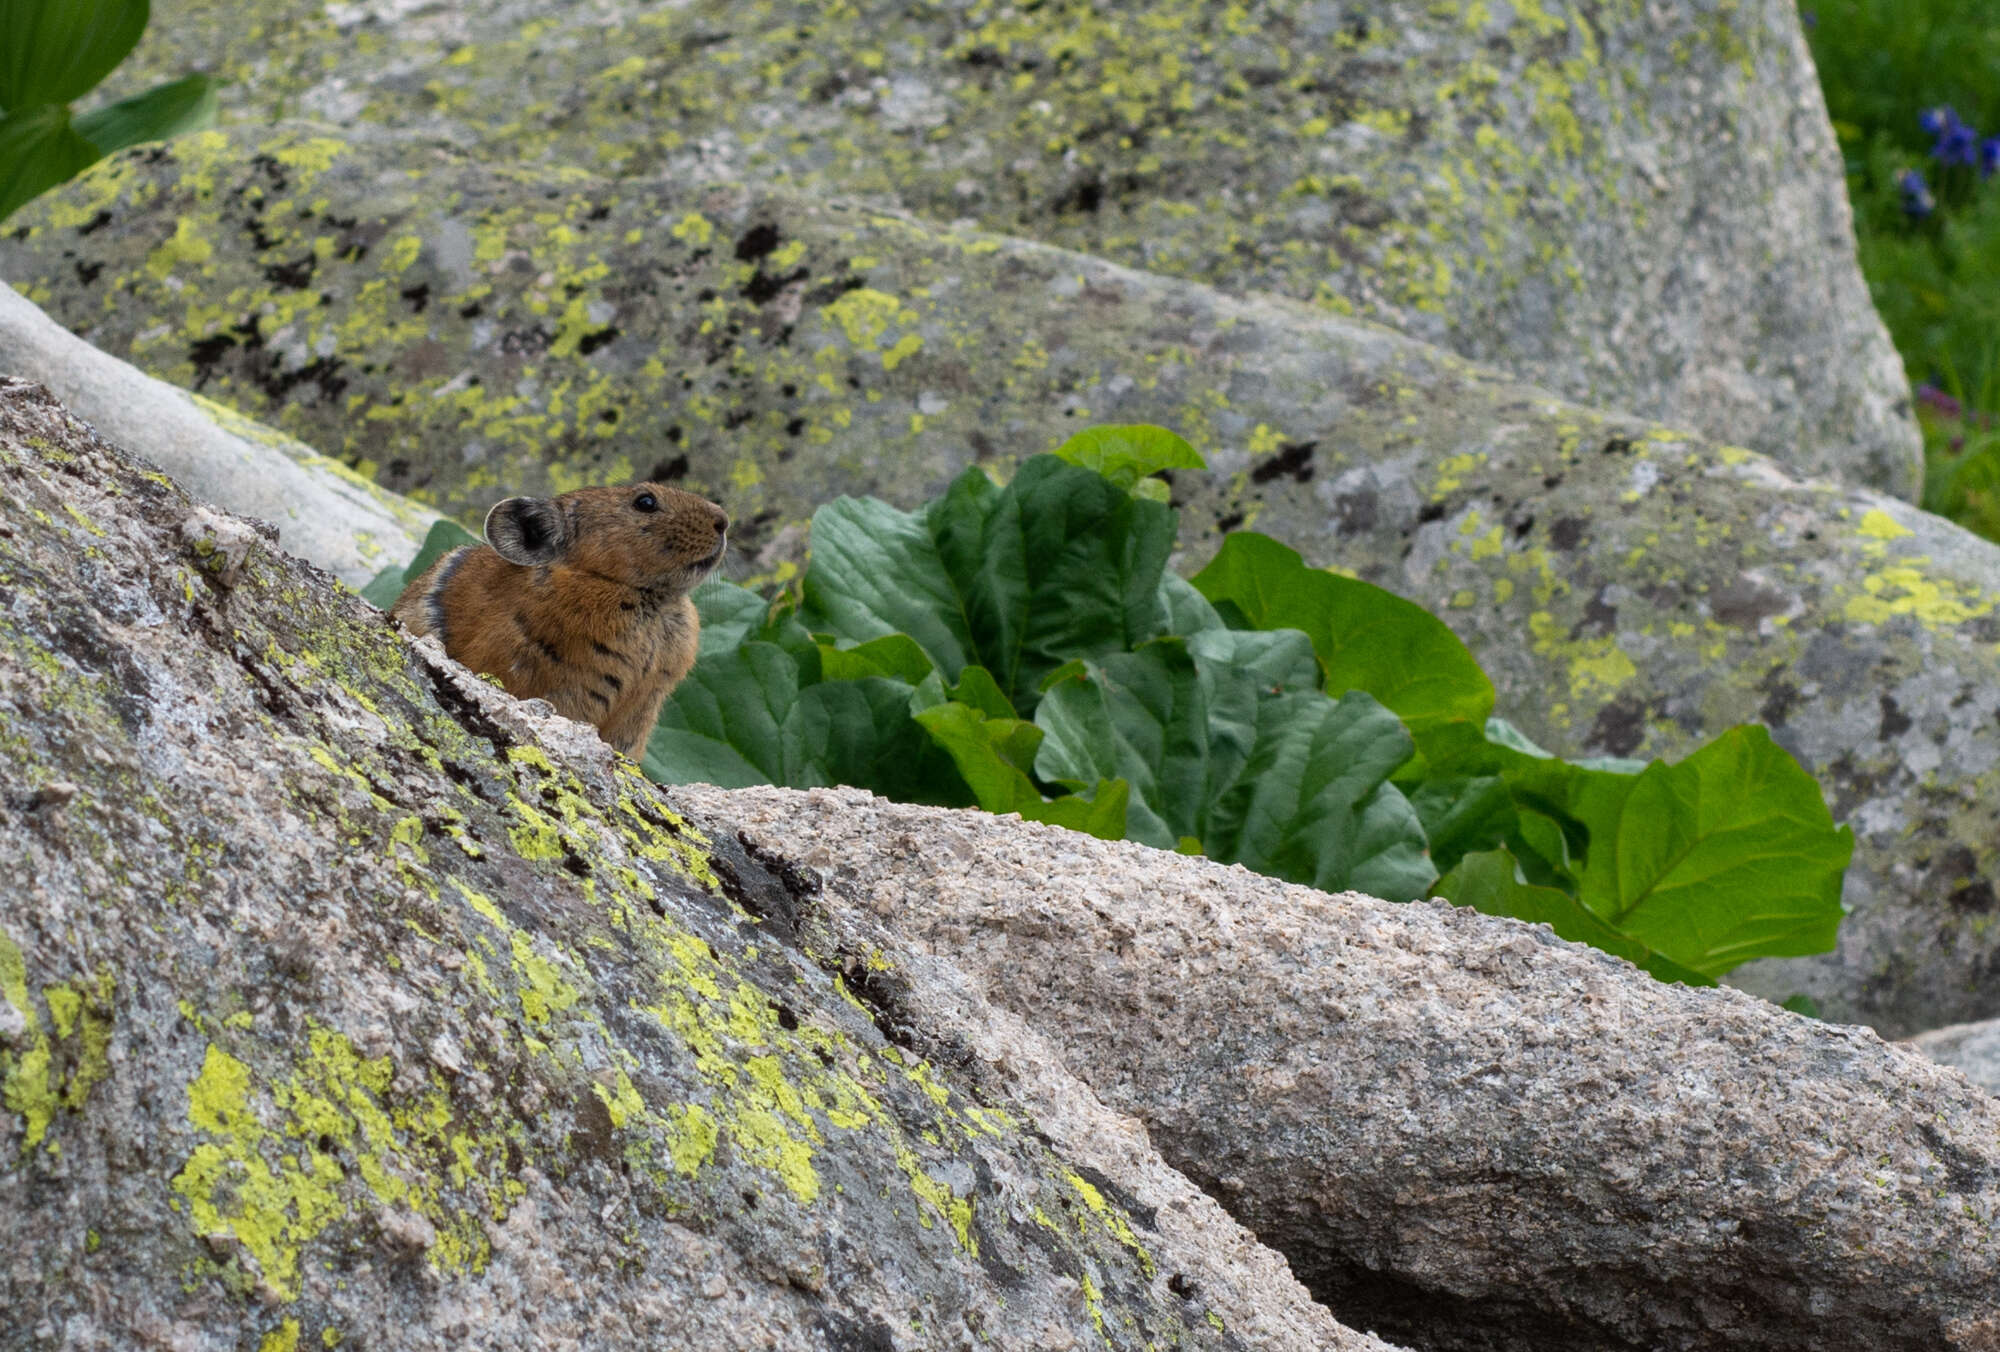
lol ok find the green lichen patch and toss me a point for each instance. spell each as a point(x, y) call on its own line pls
point(52, 1066)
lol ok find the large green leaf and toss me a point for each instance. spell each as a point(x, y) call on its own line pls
point(749, 715)
point(1367, 638)
point(1177, 719)
point(875, 571)
point(1487, 881)
point(1314, 803)
point(736, 701)
point(1464, 815)
point(1729, 855)
point(995, 754)
point(184, 105)
point(56, 51)
point(1061, 564)
point(1057, 565)
point(38, 150)
point(1129, 455)
point(445, 535)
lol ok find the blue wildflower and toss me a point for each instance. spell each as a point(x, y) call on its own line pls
point(1917, 200)
point(1958, 145)
point(1989, 157)
point(1935, 120)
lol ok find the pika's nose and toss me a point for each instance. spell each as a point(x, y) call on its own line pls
point(721, 520)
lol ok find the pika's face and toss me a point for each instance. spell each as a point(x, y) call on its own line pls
point(649, 536)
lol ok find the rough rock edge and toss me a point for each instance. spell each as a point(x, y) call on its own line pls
point(1462, 1131)
point(1972, 1049)
point(325, 512)
point(149, 694)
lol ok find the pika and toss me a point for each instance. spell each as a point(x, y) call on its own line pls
point(581, 600)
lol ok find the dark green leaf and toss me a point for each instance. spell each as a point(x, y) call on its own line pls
point(1463, 815)
point(1727, 856)
point(1367, 638)
point(164, 111)
point(444, 536)
point(994, 754)
point(737, 702)
point(56, 51)
point(1487, 882)
point(1141, 717)
point(875, 571)
point(1129, 455)
point(750, 716)
point(1187, 611)
point(730, 615)
point(38, 150)
point(860, 732)
point(1058, 565)
point(1314, 803)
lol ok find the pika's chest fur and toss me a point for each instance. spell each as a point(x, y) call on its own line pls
point(600, 652)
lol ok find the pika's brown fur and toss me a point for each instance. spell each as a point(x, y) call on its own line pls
point(581, 600)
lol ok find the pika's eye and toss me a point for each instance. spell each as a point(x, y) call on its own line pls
point(646, 502)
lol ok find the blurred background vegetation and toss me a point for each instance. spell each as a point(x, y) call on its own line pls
point(1914, 90)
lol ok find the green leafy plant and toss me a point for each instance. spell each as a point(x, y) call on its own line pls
point(1024, 648)
point(53, 52)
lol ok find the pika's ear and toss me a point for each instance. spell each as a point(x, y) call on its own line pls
point(527, 531)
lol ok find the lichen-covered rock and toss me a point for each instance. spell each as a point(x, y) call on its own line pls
point(467, 333)
point(1637, 205)
point(1461, 1130)
point(324, 511)
point(344, 1000)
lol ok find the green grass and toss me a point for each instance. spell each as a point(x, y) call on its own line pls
point(1936, 281)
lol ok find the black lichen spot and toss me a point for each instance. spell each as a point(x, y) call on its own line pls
point(834, 288)
point(1894, 721)
point(1229, 522)
point(757, 241)
point(1620, 726)
point(1600, 619)
point(1293, 458)
point(1086, 197)
point(417, 297)
point(86, 273)
point(94, 224)
point(1618, 446)
point(590, 342)
point(206, 353)
point(764, 287)
point(668, 471)
point(795, 426)
point(293, 276)
point(1974, 898)
point(1567, 533)
point(1780, 698)
point(1433, 511)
